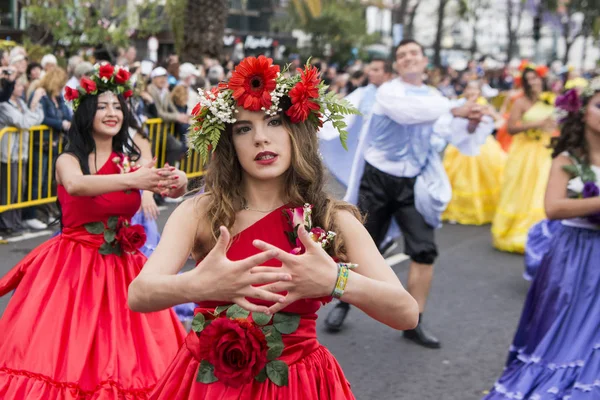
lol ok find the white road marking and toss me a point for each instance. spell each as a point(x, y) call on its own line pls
point(396, 259)
point(27, 236)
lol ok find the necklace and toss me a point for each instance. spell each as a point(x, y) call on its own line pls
point(245, 207)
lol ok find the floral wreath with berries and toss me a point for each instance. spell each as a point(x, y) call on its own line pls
point(258, 85)
point(105, 78)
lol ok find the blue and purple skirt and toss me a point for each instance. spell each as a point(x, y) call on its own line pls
point(556, 350)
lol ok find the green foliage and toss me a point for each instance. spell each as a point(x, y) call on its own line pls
point(69, 24)
point(150, 21)
point(336, 26)
point(176, 10)
point(36, 51)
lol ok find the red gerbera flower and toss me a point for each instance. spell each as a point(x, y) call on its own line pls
point(196, 109)
point(302, 95)
point(253, 81)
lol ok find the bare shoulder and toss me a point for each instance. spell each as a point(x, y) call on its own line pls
point(560, 161)
point(67, 159)
point(193, 208)
point(348, 221)
point(520, 103)
point(66, 164)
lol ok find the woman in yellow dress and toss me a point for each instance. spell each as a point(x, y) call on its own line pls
point(475, 178)
point(521, 202)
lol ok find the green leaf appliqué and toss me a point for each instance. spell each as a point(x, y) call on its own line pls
point(286, 323)
point(109, 236)
point(236, 311)
point(277, 371)
point(112, 223)
point(198, 323)
point(206, 373)
point(260, 318)
point(274, 351)
point(95, 228)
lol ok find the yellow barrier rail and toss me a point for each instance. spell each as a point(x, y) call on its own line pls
point(27, 156)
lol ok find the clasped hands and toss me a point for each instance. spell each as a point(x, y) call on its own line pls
point(473, 112)
point(312, 274)
point(158, 180)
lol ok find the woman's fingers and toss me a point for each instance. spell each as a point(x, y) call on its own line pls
point(259, 293)
point(246, 305)
point(268, 277)
point(290, 298)
point(278, 253)
point(257, 259)
point(278, 287)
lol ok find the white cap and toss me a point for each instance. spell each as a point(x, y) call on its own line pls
point(188, 69)
point(158, 71)
point(48, 59)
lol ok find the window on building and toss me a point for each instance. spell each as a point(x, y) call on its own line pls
point(6, 13)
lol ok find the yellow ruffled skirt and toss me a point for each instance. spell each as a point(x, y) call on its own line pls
point(521, 202)
point(476, 183)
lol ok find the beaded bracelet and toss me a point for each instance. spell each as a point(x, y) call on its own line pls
point(342, 279)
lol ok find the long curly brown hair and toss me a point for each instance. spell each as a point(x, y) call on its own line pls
point(304, 183)
point(572, 134)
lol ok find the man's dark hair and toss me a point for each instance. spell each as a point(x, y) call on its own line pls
point(404, 42)
point(387, 65)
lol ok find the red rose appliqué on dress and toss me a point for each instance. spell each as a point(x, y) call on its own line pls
point(236, 348)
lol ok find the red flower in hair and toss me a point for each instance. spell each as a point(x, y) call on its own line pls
point(253, 81)
point(122, 76)
point(303, 94)
point(71, 94)
point(542, 71)
point(128, 93)
point(106, 71)
point(88, 85)
point(197, 109)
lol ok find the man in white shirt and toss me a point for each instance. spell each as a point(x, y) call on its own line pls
point(397, 173)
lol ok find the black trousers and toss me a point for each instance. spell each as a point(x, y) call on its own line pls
point(382, 197)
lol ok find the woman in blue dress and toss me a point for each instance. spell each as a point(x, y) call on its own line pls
point(556, 350)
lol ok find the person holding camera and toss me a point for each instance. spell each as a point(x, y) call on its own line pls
point(7, 83)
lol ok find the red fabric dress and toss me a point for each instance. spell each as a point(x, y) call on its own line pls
point(313, 371)
point(67, 332)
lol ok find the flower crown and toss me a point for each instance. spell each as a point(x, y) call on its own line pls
point(572, 102)
point(258, 85)
point(105, 78)
point(541, 70)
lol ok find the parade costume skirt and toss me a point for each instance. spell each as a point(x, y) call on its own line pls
point(151, 229)
point(521, 203)
point(67, 332)
point(539, 240)
point(476, 183)
point(314, 374)
point(556, 350)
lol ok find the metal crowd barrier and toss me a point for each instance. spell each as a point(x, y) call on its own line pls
point(28, 155)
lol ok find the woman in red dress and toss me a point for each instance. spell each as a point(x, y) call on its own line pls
point(67, 332)
point(258, 289)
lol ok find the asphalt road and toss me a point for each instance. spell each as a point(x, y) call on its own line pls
point(474, 308)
